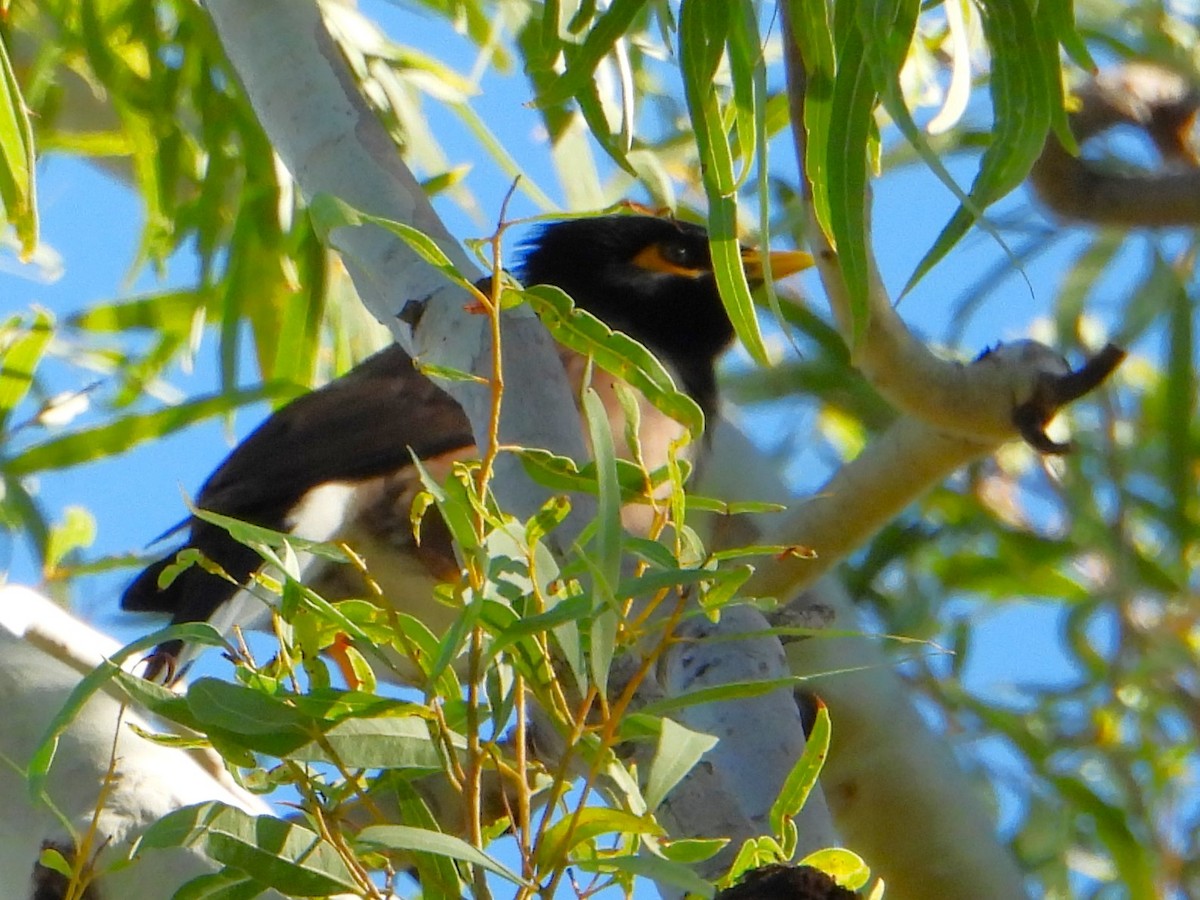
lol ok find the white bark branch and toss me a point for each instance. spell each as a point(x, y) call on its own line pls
point(897, 794)
point(331, 142)
point(760, 738)
point(979, 403)
point(895, 469)
point(43, 653)
point(885, 766)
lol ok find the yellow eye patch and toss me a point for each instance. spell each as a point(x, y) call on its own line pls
point(781, 262)
point(652, 259)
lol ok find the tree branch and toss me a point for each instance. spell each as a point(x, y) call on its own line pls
point(331, 142)
point(979, 402)
point(43, 653)
point(885, 766)
point(1163, 105)
point(898, 467)
point(897, 793)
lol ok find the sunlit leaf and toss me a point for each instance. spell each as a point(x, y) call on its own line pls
point(283, 855)
point(404, 837)
point(17, 163)
point(123, 433)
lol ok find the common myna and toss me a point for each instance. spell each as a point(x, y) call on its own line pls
point(336, 464)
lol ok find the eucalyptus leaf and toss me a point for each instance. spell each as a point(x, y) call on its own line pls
point(279, 854)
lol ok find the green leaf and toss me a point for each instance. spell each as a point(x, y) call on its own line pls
point(20, 359)
point(391, 742)
point(660, 871)
point(561, 473)
point(813, 32)
point(749, 77)
point(436, 872)
point(245, 711)
point(608, 532)
point(404, 837)
point(1062, 14)
point(731, 275)
point(54, 861)
point(888, 30)
point(653, 581)
point(445, 373)
point(454, 506)
point(734, 690)
point(17, 159)
point(329, 213)
point(846, 164)
point(679, 749)
point(690, 850)
point(615, 145)
point(227, 884)
point(169, 311)
point(572, 609)
point(602, 645)
point(356, 732)
point(43, 757)
point(261, 537)
point(126, 432)
point(77, 531)
point(586, 825)
point(580, 73)
point(551, 514)
point(614, 352)
point(279, 854)
point(703, 31)
point(803, 776)
point(724, 587)
point(19, 511)
point(1026, 89)
point(846, 868)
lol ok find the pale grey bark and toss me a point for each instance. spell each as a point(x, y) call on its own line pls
point(896, 793)
point(43, 653)
point(332, 143)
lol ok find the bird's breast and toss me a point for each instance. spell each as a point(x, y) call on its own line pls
point(656, 434)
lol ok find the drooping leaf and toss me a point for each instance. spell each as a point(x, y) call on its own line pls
point(610, 27)
point(20, 357)
point(276, 853)
point(614, 352)
point(126, 432)
point(803, 776)
point(405, 837)
point(678, 751)
point(17, 159)
point(1027, 102)
point(704, 29)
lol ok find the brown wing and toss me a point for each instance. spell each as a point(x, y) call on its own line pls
point(362, 426)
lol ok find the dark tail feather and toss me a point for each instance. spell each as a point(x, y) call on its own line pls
point(143, 595)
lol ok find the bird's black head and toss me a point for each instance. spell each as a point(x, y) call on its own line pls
point(651, 278)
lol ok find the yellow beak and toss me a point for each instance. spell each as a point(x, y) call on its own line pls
point(782, 263)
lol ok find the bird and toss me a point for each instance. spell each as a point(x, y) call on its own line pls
point(336, 464)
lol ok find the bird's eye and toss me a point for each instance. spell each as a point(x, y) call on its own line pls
point(672, 257)
point(677, 254)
